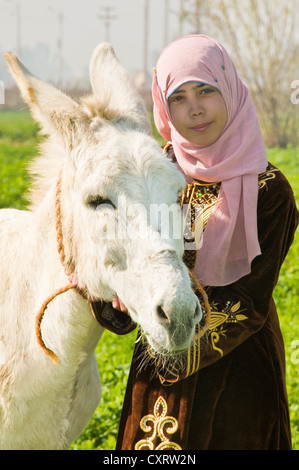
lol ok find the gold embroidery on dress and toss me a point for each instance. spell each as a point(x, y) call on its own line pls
point(171, 374)
point(230, 314)
point(214, 339)
point(198, 201)
point(266, 176)
point(161, 424)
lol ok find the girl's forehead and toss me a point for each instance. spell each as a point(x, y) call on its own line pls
point(189, 85)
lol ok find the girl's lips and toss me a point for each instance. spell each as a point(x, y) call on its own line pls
point(202, 127)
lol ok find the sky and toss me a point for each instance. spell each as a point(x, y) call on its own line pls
point(83, 28)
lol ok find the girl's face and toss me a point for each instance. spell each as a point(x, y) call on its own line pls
point(198, 112)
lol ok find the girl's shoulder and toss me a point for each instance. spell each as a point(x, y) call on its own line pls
point(276, 198)
point(272, 176)
point(273, 183)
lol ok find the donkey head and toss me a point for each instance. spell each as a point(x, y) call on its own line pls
point(121, 223)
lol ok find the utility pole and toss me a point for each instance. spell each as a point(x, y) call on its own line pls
point(107, 17)
point(17, 5)
point(60, 18)
point(166, 16)
point(60, 48)
point(145, 42)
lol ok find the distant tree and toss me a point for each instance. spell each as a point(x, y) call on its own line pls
point(191, 11)
point(262, 38)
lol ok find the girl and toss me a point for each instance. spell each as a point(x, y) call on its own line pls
point(231, 393)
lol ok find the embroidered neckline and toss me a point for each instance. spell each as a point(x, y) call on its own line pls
point(197, 202)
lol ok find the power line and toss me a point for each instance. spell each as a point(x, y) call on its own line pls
point(107, 18)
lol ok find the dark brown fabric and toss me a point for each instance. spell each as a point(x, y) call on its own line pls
point(237, 400)
point(113, 320)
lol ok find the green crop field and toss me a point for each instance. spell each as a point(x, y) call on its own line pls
point(18, 144)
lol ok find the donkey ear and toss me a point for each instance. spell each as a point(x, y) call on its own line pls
point(109, 79)
point(55, 111)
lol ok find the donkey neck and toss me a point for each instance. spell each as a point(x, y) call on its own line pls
point(80, 331)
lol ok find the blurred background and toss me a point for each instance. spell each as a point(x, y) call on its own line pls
point(55, 40)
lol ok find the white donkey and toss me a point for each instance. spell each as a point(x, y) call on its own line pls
point(98, 165)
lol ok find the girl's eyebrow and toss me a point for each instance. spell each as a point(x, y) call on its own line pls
point(181, 90)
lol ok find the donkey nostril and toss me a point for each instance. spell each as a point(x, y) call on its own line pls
point(161, 314)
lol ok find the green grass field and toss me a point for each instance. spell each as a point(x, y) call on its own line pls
point(18, 144)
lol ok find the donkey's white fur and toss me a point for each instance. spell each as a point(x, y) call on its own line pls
point(103, 147)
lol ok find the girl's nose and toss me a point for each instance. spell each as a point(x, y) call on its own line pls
point(197, 112)
point(196, 108)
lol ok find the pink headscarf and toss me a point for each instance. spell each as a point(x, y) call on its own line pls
point(230, 240)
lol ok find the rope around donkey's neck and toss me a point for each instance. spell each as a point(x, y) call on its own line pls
point(39, 318)
point(72, 285)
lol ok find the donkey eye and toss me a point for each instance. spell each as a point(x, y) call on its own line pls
point(96, 202)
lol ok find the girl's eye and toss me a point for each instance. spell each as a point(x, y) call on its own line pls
point(207, 91)
point(176, 99)
point(99, 202)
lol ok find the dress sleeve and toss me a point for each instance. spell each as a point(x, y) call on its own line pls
point(242, 308)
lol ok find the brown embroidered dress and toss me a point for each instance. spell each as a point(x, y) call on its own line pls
point(237, 399)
